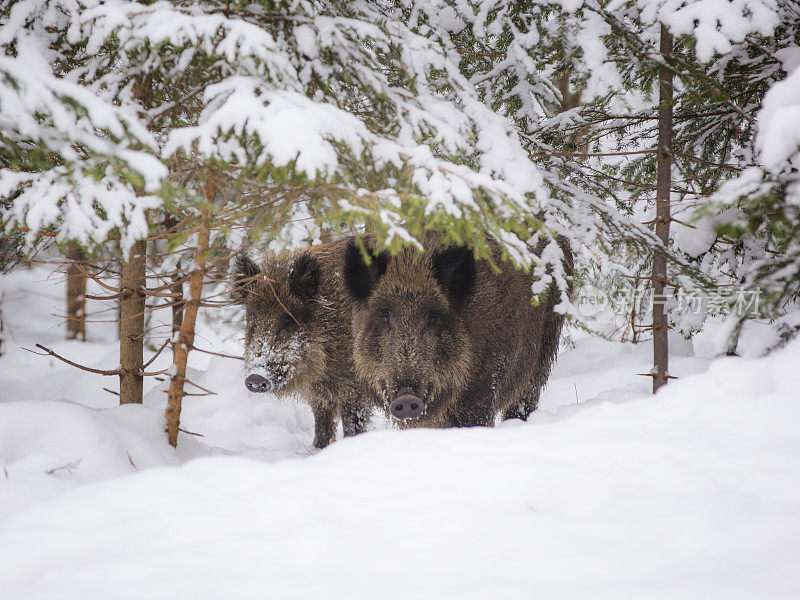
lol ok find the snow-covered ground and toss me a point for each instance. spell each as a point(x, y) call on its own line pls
point(607, 492)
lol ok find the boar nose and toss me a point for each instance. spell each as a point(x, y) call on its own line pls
point(257, 383)
point(406, 406)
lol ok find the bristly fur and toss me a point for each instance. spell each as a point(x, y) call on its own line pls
point(464, 338)
point(359, 276)
point(455, 270)
point(299, 336)
point(244, 274)
point(305, 276)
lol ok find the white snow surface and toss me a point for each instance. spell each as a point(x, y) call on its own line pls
point(607, 492)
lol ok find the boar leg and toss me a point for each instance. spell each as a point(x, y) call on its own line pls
point(526, 405)
point(324, 426)
point(474, 409)
point(355, 417)
point(552, 323)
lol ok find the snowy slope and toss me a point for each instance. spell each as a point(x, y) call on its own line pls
point(606, 493)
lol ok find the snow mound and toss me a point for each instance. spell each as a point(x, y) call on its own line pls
point(692, 494)
point(49, 447)
point(234, 420)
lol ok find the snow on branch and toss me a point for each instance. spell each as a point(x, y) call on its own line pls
point(37, 106)
point(779, 124)
point(82, 207)
point(290, 126)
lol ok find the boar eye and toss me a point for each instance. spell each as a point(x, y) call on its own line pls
point(386, 318)
point(431, 318)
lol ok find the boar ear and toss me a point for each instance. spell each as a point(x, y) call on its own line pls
point(245, 273)
point(305, 277)
point(455, 270)
point(359, 277)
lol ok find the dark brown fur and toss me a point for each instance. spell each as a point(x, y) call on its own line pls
point(465, 339)
point(298, 334)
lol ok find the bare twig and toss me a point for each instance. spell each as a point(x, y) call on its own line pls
point(200, 387)
point(218, 353)
point(68, 467)
point(130, 460)
point(190, 432)
point(50, 352)
point(590, 154)
point(155, 356)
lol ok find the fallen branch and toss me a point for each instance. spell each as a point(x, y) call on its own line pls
point(68, 466)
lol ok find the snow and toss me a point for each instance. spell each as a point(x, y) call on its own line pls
point(291, 126)
point(700, 235)
point(306, 41)
point(450, 21)
point(48, 447)
point(716, 23)
point(779, 123)
point(607, 492)
point(44, 199)
point(86, 200)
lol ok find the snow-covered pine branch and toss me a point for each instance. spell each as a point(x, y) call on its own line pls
point(518, 54)
point(72, 158)
point(321, 92)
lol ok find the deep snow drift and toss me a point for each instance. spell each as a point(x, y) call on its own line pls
point(607, 492)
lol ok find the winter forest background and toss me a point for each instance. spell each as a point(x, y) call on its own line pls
point(144, 144)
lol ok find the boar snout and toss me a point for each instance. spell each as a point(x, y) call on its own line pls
point(406, 405)
point(258, 384)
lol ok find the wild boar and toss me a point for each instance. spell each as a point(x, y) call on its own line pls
point(298, 338)
point(446, 341)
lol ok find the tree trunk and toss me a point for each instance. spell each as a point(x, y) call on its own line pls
point(76, 296)
point(185, 341)
point(569, 99)
point(2, 325)
point(663, 183)
point(177, 285)
point(131, 325)
point(578, 141)
point(177, 290)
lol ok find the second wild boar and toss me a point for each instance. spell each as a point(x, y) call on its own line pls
point(298, 337)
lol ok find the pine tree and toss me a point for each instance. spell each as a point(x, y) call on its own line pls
point(532, 59)
point(302, 117)
point(756, 213)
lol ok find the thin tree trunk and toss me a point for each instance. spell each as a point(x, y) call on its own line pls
point(131, 325)
point(2, 324)
point(177, 290)
point(177, 285)
point(185, 341)
point(76, 296)
point(569, 99)
point(577, 142)
point(663, 181)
